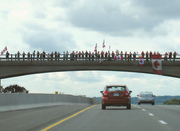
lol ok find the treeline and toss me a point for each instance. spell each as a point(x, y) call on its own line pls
point(173, 101)
point(13, 89)
point(159, 100)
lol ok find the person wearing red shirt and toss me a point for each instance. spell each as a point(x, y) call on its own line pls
point(102, 54)
point(142, 53)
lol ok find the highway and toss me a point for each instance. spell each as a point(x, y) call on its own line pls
point(92, 118)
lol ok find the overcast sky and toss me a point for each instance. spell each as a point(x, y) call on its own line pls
point(77, 25)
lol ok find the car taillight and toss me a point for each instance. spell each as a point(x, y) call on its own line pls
point(105, 93)
point(140, 96)
point(152, 95)
point(126, 93)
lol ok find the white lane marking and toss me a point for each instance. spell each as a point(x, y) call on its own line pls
point(177, 106)
point(151, 114)
point(144, 109)
point(162, 122)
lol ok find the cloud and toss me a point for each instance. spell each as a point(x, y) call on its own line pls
point(90, 83)
point(64, 3)
point(163, 9)
point(39, 37)
point(122, 18)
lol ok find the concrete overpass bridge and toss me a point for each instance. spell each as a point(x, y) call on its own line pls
point(13, 68)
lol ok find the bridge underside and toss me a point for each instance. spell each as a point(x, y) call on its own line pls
point(19, 68)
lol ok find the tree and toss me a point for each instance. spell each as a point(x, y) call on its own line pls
point(15, 89)
point(1, 89)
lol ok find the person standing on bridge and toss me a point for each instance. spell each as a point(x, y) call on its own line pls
point(117, 52)
point(41, 56)
point(121, 54)
point(109, 56)
point(147, 56)
point(92, 56)
point(64, 55)
point(98, 55)
point(23, 55)
point(130, 55)
point(170, 55)
point(76, 55)
point(174, 55)
point(67, 55)
point(106, 54)
point(73, 55)
point(82, 55)
point(37, 55)
point(79, 55)
point(158, 53)
point(142, 53)
point(165, 56)
point(125, 55)
point(7, 55)
point(34, 55)
point(86, 54)
point(150, 54)
point(18, 55)
point(55, 54)
point(51, 55)
point(58, 55)
point(102, 54)
point(28, 54)
point(134, 56)
point(95, 55)
point(112, 55)
point(89, 55)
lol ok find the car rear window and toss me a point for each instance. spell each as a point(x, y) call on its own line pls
point(116, 88)
point(146, 93)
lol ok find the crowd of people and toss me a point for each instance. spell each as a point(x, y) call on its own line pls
point(85, 55)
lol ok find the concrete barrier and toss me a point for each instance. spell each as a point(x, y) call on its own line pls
point(18, 101)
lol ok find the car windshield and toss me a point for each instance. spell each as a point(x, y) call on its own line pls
point(116, 88)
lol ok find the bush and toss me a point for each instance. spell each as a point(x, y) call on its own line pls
point(173, 101)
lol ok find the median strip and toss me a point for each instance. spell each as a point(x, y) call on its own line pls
point(51, 126)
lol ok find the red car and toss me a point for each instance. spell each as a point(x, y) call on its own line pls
point(116, 95)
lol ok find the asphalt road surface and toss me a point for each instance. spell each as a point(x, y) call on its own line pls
point(93, 118)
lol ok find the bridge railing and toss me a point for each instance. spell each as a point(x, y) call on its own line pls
point(70, 57)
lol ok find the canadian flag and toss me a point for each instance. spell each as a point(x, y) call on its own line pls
point(95, 50)
point(5, 49)
point(118, 57)
point(157, 64)
point(103, 44)
point(141, 61)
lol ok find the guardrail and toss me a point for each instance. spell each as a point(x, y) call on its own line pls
point(70, 57)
